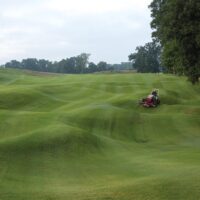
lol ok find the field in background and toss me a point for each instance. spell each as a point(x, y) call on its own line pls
point(84, 137)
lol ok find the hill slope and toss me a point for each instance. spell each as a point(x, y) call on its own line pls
point(84, 137)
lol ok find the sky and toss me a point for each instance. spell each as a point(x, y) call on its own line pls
point(55, 29)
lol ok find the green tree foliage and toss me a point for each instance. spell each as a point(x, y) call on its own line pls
point(73, 65)
point(13, 64)
point(92, 67)
point(102, 66)
point(176, 25)
point(70, 65)
point(82, 62)
point(146, 58)
point(30, 63)
point(42, 65)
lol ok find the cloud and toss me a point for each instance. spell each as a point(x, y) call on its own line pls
point(53, 29)
point(78, 7)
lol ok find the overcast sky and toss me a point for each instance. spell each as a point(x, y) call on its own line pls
point(54, 29)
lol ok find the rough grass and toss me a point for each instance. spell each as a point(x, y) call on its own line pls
point(84, 137)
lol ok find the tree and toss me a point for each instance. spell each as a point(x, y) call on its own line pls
point(147, 58)
point(53, 67)
point(102, 66)
point(30, 63)
point(42, 65)
point(13, 64)
point(61, 66)
point(70, 65)
point(176, 25)
point(82, 61)
point(92, 67)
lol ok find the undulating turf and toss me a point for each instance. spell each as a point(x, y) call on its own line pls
point(84, 137)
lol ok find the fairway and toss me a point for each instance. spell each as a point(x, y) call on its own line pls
point(84, 137)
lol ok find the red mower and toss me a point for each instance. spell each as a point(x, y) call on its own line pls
point(151, 101)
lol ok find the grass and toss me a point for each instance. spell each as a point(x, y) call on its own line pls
point(83, 137)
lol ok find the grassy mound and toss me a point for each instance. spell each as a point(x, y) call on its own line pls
point(85, 137)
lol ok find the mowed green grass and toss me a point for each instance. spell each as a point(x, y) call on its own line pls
point(84, 137)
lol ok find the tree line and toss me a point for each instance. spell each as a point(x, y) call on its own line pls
point(74, 65)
